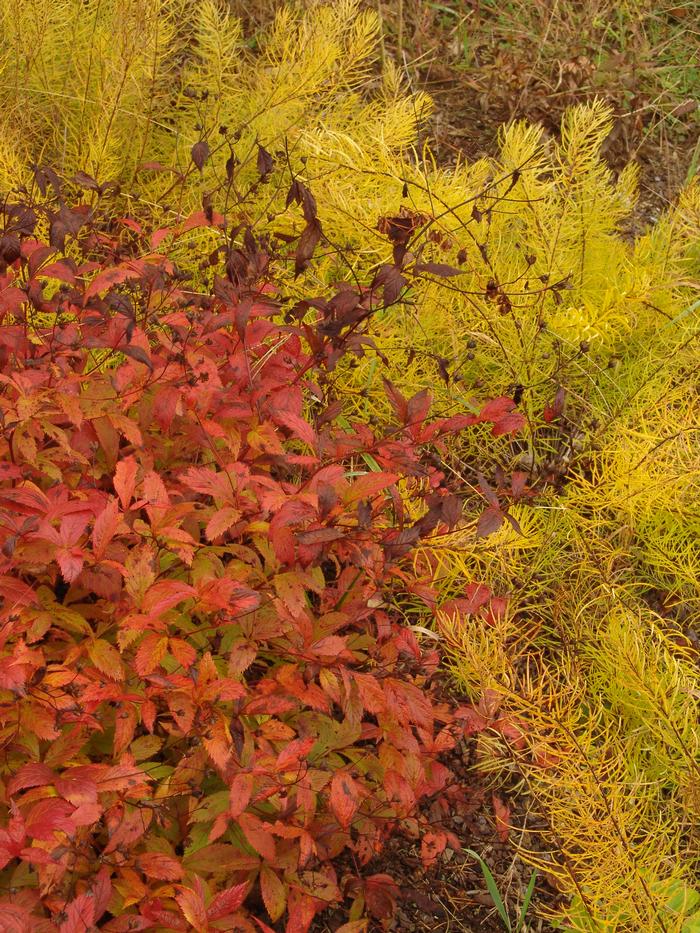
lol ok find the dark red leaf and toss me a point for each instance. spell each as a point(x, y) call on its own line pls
point(265, 163)
point(200, 153)
point(490, 520)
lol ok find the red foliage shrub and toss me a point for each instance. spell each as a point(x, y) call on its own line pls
point(203, 699)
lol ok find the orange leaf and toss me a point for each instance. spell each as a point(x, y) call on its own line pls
point(239, 793)
point(105, 527)
point(150, 654)
point(258, 836)
point(193, 908)
point(106, 658)
point(369, 485)
point(124, 481)
point(274, 892)
point(344, 798)
point(160, 866)
point(503, 816)
point(182, 651)
point(432, 845)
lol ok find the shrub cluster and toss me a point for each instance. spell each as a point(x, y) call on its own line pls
point(204, 697)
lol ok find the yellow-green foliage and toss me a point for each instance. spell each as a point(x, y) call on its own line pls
point(551, 293)
point(103, 86)
point(608, 701)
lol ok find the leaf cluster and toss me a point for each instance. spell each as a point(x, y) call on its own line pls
point(205, 700)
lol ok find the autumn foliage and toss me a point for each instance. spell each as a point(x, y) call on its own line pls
point(210, 718)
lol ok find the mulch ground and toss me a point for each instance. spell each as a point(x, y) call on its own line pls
point(451, 896)
point(465, 124)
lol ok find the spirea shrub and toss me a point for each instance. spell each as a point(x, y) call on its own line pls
point(205, 697)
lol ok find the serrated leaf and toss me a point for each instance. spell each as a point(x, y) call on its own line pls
point(150, 653)
point(193, 909)
point(274, 892)
point(160, 866)
point(369, 485)
point(221, 521)
point(227, 901)
point(259, 837)
point(106, 658)
point(125, 480)
point(344, 798)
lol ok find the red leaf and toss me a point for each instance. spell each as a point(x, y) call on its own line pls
point(70, 560)
point(15, 593)
point(227, 901)
point(18, 919)
point(79, 785)
point(80, 914)
point(165, 595)
point(31, 774)
point(105, 527)
point(109, 277)
point(258, 836)
point(153, 913)
point(302, 429)
point(221, 521)
point(381, 893)
point(60, 270)
point(344, 798)
point(263, 926)
point(496, 408)
point(478, 594)
point(397, 400)
point(509, 424)
point(294, 753)
point(47, 816)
